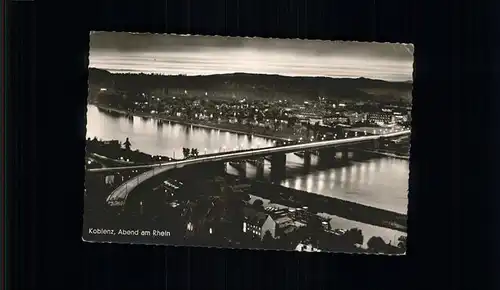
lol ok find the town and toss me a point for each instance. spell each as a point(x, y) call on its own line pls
point(232, 211)
point(207, 149)
point(282, 119)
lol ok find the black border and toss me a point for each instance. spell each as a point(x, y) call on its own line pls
point(20, 135)
point(455, 59)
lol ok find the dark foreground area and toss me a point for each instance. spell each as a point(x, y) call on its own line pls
point(201, 207)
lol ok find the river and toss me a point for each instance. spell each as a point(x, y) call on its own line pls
point(379, 182)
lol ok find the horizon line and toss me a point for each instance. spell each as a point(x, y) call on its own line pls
point(266, 74)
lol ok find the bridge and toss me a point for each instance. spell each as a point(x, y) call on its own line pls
point(278, 160)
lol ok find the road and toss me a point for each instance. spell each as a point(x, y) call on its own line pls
point(123, 162)
point(120, 194)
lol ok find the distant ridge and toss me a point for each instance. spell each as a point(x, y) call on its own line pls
point(242, 74)
point(297, 87)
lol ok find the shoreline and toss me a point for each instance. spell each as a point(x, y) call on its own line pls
point(98, 150)
point(407, 158)
point(187, 123)
point(345, 209)
point(317, 204)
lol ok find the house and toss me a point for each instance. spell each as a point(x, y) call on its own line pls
point(258, 223)
point(204, 216)
point(284, 225)
point(381, 118)
point(285, 221)
point(306, 248)
point(109, 180)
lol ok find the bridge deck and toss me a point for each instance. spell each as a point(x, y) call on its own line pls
point(120, 194)
point(233, 155)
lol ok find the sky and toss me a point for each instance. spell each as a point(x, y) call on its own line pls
point(168, 54)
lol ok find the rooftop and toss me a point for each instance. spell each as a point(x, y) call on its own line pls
point(306, 248)
point(254, 217)
point(283, 222)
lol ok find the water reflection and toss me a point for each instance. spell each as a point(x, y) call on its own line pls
point(169, 138)
point(380, 182)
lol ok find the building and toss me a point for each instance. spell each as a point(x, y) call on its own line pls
point(355, 117)
point(399, 117)
point(335, 119)
point(378, 118)
point(306, 248)
point(257, 223)
point(284, 226)
point(285, 221)
point(110, 180)
point(204, 216)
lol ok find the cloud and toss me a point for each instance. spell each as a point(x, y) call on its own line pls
point(195, 55)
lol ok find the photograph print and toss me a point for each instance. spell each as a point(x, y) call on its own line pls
point(248, 143)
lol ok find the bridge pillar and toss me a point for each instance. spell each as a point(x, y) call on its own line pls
point(260, 168)
point(278, 166)
point(307, 160)
point(211, 168)
point(220, 167)
point(241, 167)
point(345, 154)
point(327, 156)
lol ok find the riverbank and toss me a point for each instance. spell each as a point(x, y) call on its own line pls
point(388, 235)
point(338, 207)
point(392, 155)
point(396, 156)
point(318, 204)
point(110, 153)
point(226, 127)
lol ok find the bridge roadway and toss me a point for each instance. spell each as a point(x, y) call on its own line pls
point(119, 195)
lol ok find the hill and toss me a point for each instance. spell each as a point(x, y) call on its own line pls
point(260, 86)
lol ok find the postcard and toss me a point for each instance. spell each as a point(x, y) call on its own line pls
point(248, 143)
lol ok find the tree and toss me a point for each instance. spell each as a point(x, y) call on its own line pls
point(354, 236)
point(259, 204)
point(268, 240)
point(314, 227)
point(194, 152)
point(127, 144)
point(185, 152)
point(377, 244)
point(245, 197)
point(114, 146)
